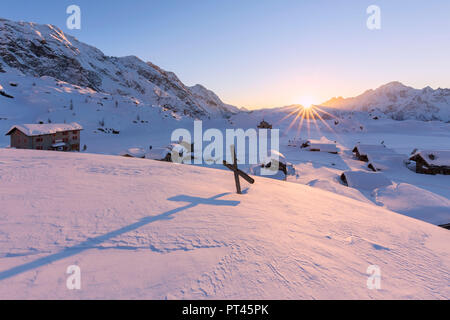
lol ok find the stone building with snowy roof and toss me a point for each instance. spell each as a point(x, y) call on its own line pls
point(57, 137)
point(432, 161)
point(364, 151)
point(134, 153)
point(323, 147)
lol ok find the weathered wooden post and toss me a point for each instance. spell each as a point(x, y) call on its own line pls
point(237, 172)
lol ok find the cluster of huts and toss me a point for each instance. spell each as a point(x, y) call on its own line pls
point(67, 137)
point(380, 158)
point(160, 153)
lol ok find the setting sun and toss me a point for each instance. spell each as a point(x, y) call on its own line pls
point(307, 101)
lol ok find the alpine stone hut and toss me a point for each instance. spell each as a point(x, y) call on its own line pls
point(432, 161)
point(264, 125)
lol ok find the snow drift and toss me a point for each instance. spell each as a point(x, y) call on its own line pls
point(141, 229)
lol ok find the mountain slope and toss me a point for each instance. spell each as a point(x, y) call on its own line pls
point(144, 230)
point(399, 102)
point(44, 50)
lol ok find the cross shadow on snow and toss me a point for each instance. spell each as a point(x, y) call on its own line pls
point(91, 243)
point(210, 201)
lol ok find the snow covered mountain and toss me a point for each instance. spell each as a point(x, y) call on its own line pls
point(210, 101)
point(37, 51)
point(399, 102)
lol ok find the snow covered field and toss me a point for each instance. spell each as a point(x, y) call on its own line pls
point(421, 196)
point(142, 229)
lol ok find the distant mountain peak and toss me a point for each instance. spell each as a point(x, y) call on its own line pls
point(399, 102)
point(391, 87)
point(393, 84)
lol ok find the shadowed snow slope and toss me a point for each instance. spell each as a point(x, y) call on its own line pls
point(145, 229)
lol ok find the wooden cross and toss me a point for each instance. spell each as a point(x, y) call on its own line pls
point(237, 172)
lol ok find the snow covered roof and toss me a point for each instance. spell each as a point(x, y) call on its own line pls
point(43, 129)
point(275, 155)
point(134, 152)
point(304, 143)
point(256, 170)
point(298, 142)
point(157, 153)
point(324, 147)
point(366, 149)
point(434, 157)
point(366, 180)
point(387, 161)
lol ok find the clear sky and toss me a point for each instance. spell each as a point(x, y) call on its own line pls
point(267, 53)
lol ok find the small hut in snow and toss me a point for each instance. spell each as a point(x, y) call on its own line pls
point(160, 154)
point(304, 144)
point(432, 161)
point(264, 125)
point(387, 162)
point(378, 157)
point(276, 160)
point(324, 147)
point(134, 153)
point(183, 150)
point(363, 151)
point(364, 180)
point(319, 146)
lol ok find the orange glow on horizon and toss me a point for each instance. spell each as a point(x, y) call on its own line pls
point(309, 114)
